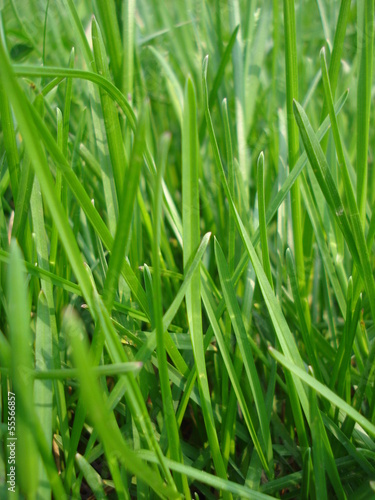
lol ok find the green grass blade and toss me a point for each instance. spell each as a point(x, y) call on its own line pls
point(365, 42)
point(262, 219)
point(222, 485)
point(107, 15)
point(21, 361)
point(169, 413)
point(282, 330)
point(190, 202)
point(103, 418)
point(318, 449)
point(356, 242)
point(324, 391)
point(251, 425)
point(293, 142)
point(110, 114)
point(125, 217)
point(246, 352)
point(92, 477)
point(43, 395)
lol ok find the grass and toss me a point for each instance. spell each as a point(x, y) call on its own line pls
point(187, 265)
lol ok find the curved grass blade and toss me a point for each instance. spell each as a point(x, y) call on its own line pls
point(84, 201)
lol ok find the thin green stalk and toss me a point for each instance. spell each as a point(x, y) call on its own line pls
point(190, 220)
point(365, 42)
point(293, 141)
point(262, 219)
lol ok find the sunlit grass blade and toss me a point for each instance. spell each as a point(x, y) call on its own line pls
point(128, 27)
point(191, 237)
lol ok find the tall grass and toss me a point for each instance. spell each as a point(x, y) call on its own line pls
point(186, 264)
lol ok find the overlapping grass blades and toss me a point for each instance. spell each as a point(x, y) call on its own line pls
point(137, 351)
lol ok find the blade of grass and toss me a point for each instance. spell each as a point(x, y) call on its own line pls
point(169, 413)
point(107, 16)
point(262, 218)
point(318, 454)
point(232, 372)
point(222, 485)
point(93, 479)
point(110, 114)
point(293, 142)
point(365, 42)
point(356, 244)
point(324, 391)
point(246, 352)
point(43, 395)
point(103, 418)
point(190, 220)
point(22, 385)
point(41, 243)
point(282, 330)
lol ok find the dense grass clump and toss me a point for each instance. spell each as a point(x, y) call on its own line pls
point(187, 293)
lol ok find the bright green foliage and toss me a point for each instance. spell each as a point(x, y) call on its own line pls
point(187, 292)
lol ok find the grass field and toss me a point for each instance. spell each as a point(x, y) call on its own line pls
point(187, 293)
